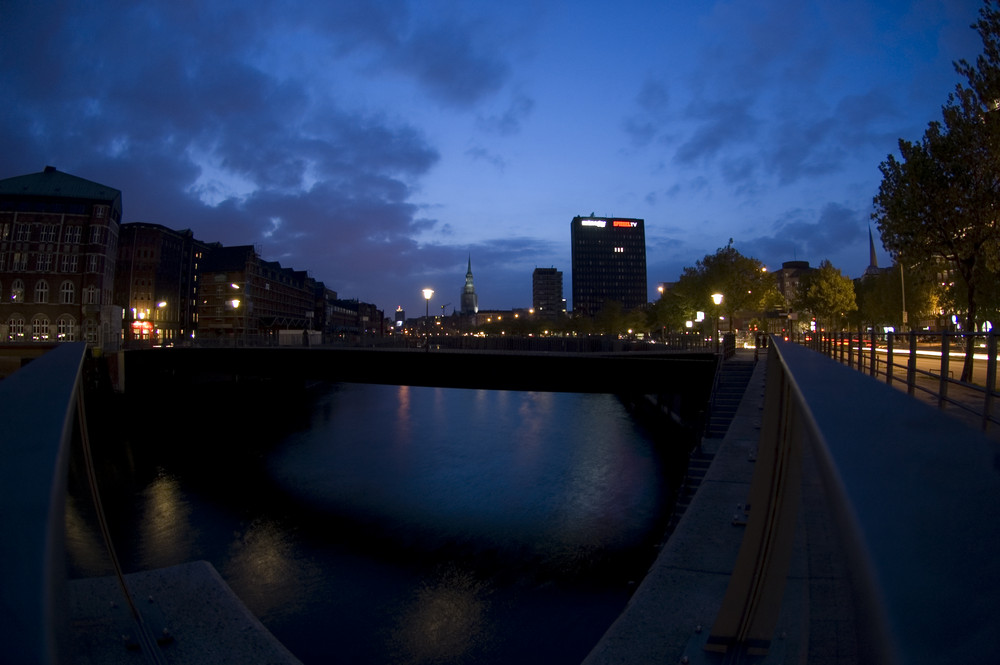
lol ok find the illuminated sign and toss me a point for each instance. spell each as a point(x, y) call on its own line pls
point(623, 224)
point(593, 222)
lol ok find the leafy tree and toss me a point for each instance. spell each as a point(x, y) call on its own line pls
point(827, 293)
point(940, 203)
point(743, 282)
point(880, 297)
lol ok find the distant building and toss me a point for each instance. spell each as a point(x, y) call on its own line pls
point(58, 251)
point(469, 300)
point(788, 279)
point(399, 319)
point(156, 283)
point(246, 300)
point(609, 263)
point(547, 293)
point(873, 270)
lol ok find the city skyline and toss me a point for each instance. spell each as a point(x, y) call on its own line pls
point(379, 146)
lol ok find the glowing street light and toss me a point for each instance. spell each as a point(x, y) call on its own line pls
point(428, 292)
point(717, 299)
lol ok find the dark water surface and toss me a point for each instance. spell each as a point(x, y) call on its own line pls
point(393, 524)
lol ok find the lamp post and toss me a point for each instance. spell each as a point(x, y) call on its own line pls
point(427, 296)
point(717, 299)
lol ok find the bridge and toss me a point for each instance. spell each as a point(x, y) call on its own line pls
point(904, 496)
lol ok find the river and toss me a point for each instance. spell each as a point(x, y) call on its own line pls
point(393, 524)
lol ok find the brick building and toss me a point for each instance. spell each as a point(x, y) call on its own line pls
point(58, 253)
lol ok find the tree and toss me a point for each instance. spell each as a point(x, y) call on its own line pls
point(940, 203)
point(880, 297)
point(743, 282)
point(828, 294)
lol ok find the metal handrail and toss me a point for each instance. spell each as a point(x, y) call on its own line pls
point(876, 353)
point(909, 498)
point(38, 405)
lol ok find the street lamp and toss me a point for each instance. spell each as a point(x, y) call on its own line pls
point(717, 299)
point(427, 296)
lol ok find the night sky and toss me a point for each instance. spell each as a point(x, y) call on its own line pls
point(378, 145)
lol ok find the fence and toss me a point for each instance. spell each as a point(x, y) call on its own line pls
point(923, 363)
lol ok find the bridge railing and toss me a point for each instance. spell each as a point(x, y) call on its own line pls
point(38, 407)
point(854, 476)
point(925, 363)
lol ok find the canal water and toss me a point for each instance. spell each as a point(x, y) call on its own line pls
point(393, 524)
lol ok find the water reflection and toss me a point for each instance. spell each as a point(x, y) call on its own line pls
point(444, 622)
point(167, 535)
point(404, 524)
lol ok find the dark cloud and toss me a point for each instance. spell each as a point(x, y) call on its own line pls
point(650, 116)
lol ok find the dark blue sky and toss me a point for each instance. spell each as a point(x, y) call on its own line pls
point(378, 144)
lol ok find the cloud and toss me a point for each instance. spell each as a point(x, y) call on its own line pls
point(510, 120)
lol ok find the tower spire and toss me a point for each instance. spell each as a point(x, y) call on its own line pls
point(872, 258)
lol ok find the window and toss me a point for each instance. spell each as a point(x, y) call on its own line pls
point(90, 329)
point(67, 293)
point(42, 291)
point(17, 291)
point(90, 296)
point(40, 328)
point(21, 232)
point(20, 261)
point(4, 231)
point(96, 234)
point(69, 263)
point(15, 328)
point(48, 233)
point(73, 234)
point(92, 263)
point(44, 262)
point(100, 211)
point(66, 329)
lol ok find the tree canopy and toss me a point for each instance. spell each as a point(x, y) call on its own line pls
point(828, 294)
point(744, 283)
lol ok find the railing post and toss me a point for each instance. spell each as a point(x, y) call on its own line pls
point(872, 368)
point(911, 366)
point(991, 377)
point(850, 349)
point(943, 382)
point(889, 338)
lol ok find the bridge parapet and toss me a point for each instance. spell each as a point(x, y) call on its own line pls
point(910, 497)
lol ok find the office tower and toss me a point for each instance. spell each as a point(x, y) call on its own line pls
point(547, 292)
point(609, 263)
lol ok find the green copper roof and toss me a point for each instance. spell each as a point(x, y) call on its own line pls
point(53, 183)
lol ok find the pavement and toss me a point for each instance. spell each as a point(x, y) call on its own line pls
point(188, 609)
point(671, 614)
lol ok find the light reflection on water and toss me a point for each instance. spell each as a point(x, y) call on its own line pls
point(414, 525)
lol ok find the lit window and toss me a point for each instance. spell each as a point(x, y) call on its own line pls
point(17, 291)
point(40, 329)
point(15, 329)
point(42, 291)
point(67, 293)
point(65, 329)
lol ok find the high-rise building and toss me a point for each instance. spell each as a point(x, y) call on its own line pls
point(609, 262)
point(58, 250)
point(547, 293)
point(469, 299)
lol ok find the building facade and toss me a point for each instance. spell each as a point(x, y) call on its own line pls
point(156, 283)
point(547, 293)
point(244, 300)
point(609, 263)
point(58, 254)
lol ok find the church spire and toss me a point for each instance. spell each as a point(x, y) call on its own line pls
point(469, 299)
point(872, 259)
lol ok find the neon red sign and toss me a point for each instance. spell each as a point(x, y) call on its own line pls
point(622, 224)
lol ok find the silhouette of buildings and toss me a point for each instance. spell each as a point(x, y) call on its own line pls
point(58, 254)
point(547, 293)
point(70, 271)
point(609, 263)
